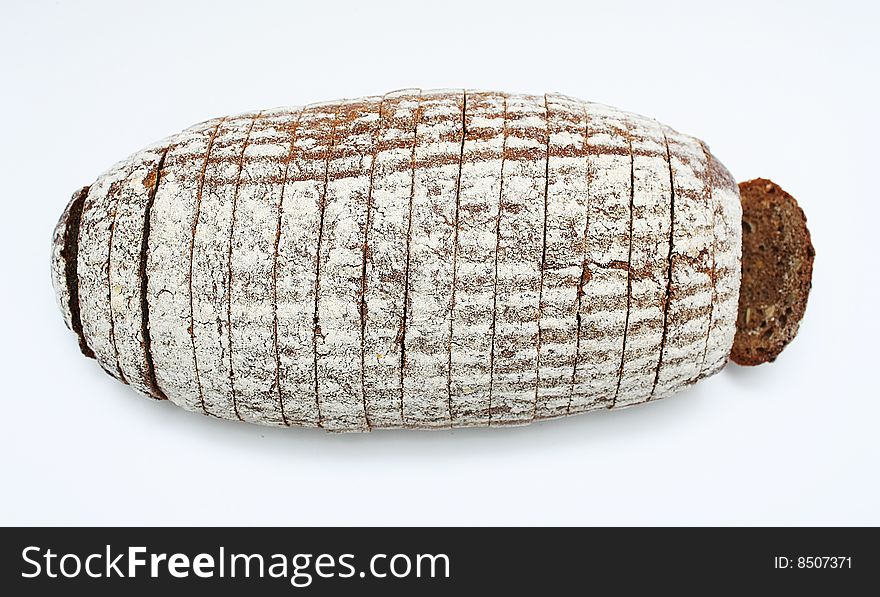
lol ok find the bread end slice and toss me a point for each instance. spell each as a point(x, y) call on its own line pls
point(777, 271)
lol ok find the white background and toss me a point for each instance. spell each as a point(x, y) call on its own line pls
point(781, 90)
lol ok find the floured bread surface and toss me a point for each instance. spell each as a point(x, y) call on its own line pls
point(422, 259)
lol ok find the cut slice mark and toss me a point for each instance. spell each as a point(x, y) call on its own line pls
point(585, 270)
point(495, 283)
point(632, 179)
point(69, 253)
point(412, 186)
point(152, 384)
point(713, 273)
point(229, 263)
point(293, 133)
point(543, 257)
point(362, 299)
point(668, 270)
point(316, 326)
point(455, 250)
point(192, 245)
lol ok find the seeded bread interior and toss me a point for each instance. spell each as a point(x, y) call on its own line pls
point(777, 271)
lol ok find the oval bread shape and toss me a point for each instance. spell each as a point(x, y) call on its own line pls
point(422, 259)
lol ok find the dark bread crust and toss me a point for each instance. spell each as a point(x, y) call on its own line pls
point(777, 271)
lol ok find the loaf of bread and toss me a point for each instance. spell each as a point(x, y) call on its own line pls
point(423, 259)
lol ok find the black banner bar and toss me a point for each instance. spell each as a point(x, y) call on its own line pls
point(317, 561)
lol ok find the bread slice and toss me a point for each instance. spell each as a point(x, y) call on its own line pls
point(691, 285)
point(518, 255)
point(431, 283)
point(649, 261)
point(340, 267)
point(777, 270)
point(205, 383)
point(603, 302)
point(479, 196)
point(564, 250)
point(726, 266)
point(124, 274)
point(296, 264)
point(93, 256)
point(251, 268)
point(64, 255)
point(384, 284)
